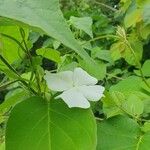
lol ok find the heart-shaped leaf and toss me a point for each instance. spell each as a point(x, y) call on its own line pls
point(36, 124)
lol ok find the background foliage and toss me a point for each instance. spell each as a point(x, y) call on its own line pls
point(113, 42)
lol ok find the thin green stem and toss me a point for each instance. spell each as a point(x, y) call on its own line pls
point(100, 37)
point(17, 74)
point(113, 76)
point(30, 59)
point(106, 6)
point(99, 119)
point(139, 142)
point(4, 86)
point(8, 65)
point(22, 33)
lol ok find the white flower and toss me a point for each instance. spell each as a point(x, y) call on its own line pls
point(78, 87)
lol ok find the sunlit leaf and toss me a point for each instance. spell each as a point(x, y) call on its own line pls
point(50, 54)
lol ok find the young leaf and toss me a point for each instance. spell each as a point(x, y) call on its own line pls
point(50, 54)
point(84, 23)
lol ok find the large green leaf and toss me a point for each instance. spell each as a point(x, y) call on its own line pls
point(45, 15)
point(35, 124)
point(121, 133)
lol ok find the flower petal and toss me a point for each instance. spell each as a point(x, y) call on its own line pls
point(74, 98)
point(59, 81)
point(81, 77)
point(92, 93)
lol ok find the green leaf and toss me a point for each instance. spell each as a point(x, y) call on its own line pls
point(146, 14)
point(10, 49)
point(101, 54)
point(38, 124)
point(147, 106)
point(122, 50)
point(144, 143)
point(121, 133)
point(144, 31)
point(71, 66)
point(115, 50)
point(12, 100)
point(112, 103)
point(144, 86)
point(133, 15)
point(146, 127)
point(84, 23)
point(50, 54)
point(2, 146)
point(134, 105)
point(146, 68)
point(128, 85)
point(45, 15)
point(98, 70)
point(118, 133)
point(8, 72)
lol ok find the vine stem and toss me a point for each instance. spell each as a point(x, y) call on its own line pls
point(99, 119)
point(8, 65)
point(14, 71)
point(139, 142)
point(100, 37)
point(3, 86)
point(113, 76)
point(106, 6)
point(22, 33)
